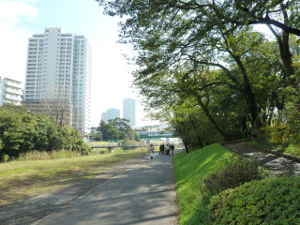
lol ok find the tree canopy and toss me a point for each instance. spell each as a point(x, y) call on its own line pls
point(116, 129)
point(21, 132)
point(205, 64)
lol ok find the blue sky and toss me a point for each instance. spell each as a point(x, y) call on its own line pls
point(111, 74)
point(77, 16)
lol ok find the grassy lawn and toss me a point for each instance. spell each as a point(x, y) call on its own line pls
point(23, 179)
point(190, 171)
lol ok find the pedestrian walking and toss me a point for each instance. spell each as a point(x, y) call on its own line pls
point(168, 149)
point(172, 149)
point(161, 149)
point(151, 148)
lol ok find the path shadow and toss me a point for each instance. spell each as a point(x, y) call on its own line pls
point(141, 194)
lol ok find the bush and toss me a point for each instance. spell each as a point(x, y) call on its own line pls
point(5, 158)
point(273, 201)
point(233, 175)
point(293, 150)
point(22, 132)
point(278, 135)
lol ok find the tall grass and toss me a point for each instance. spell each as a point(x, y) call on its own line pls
point(38, 155)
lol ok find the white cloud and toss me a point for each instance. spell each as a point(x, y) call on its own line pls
point(13, 11)
point(14, 36)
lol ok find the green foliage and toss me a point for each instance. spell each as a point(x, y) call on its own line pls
point(277, 134)
point(267, 202)
point(293, 150)
point(23, 132)
point(191, 170)
point(116, 129)
point(203, 66)
point(238, 172)
point(5, 158)
point(284, 130)
point(95, 134)
point(191, 125)
point(231, 100)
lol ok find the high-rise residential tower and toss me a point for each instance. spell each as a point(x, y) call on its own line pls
point(129, 110)
point(10, 91)
point(110, 114)
point(58, 77)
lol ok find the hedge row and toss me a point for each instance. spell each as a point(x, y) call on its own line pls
point(273, 201)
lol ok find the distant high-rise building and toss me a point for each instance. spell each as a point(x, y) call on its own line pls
point(110, 114)
point(10, 91)
point(129, 110)
point(57, 77)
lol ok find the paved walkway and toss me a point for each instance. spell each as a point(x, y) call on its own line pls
point(142, 193)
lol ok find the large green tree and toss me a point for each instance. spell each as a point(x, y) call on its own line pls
point(176, 17)
point(169, 34)
point(207, 51)
point(116, 129)
point(21, 132)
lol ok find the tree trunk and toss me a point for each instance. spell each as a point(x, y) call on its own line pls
point(249, 95)
point(211, 119)
point(286, 55)
point(193, 125)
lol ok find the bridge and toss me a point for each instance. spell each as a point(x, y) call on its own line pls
point(155, 134)
point(110, 147)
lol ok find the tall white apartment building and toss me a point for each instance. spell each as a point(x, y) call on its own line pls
point(129, 110)
point(58, 77)
point(10, 91)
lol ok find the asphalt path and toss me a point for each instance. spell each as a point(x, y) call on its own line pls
point(141, 193)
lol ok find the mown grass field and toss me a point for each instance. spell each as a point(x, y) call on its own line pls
point(191, 169)
point(23, 179)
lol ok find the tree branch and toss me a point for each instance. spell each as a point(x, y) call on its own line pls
point(284, 27)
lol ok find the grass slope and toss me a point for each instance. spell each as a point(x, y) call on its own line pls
point(23, 179)
point(190, 171)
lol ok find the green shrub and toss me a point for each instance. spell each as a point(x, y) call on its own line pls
point(293, 150)
point(278, 135)
point(233, 175)
point(22, 132)
point(273, 201)
point(5, 158)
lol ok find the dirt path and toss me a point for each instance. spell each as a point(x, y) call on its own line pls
point(138, 192)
